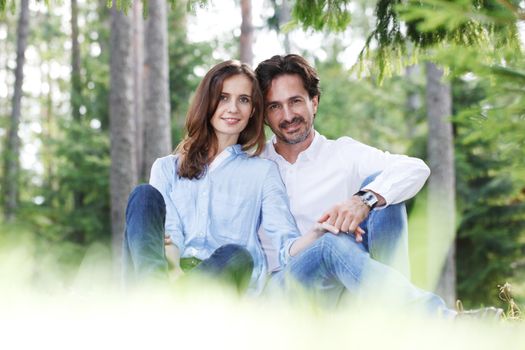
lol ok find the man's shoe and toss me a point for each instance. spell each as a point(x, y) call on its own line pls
point(487, 313)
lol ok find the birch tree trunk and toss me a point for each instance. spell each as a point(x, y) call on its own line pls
point(246, 39)
point(441, 186)
point(157, 137)
point(12, 160)
point(122, 133)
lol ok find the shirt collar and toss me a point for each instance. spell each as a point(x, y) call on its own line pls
point(308, 154)
point(233, 150)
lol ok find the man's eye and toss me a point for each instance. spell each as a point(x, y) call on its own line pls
point(272, 107)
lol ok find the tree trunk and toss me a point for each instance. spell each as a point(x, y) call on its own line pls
point(122, 134)
point(12, 160)
point(76, 103)
point(441, 187)
point(284, 17)
point(138, 86)
point(76, 85)
point(413, 102)
point(157, 137)
point(246, 40)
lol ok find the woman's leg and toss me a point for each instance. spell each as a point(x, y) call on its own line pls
point(231, 263)
point(143, 247)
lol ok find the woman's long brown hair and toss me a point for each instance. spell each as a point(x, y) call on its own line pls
point(200, 143)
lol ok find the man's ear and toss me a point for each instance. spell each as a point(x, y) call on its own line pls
point(315, 103)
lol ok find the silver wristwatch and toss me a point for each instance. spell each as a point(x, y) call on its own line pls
point(368, 197)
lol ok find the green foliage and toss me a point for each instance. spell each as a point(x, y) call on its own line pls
point(363, 110)
point(490, 189)
point(322, 14)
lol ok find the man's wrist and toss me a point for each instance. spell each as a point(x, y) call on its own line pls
point(368, 198)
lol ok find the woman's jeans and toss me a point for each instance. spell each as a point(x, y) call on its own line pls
point(143, 252)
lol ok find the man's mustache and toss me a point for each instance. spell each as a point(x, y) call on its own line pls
point(295, 120)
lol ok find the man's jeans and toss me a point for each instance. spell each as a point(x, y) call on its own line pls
point(143, 250)
point(386, 237)
point(378, 267)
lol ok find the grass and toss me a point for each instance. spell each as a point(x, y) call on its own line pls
point(44, 306)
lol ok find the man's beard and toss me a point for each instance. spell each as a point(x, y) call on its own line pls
point(296, 138)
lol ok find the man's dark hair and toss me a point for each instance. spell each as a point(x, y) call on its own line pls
point(290, 64)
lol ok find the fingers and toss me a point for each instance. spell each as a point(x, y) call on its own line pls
point(323, 218)
point(167, 240)
point(326, 226)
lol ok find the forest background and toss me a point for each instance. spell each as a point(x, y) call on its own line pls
point(91, 95)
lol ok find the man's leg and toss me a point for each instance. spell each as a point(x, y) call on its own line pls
point(336, 261)
point(231, 263)
point(386, 236)
point(143, 247)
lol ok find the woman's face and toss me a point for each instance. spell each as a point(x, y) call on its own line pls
point(234, 108)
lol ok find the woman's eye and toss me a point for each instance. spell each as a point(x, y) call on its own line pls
point(245, 100)
point(224, 98)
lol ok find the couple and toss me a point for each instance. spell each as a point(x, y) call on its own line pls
point(217, 207)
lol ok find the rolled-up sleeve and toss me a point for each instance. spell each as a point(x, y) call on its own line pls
point(277, 220)
point(161, 177)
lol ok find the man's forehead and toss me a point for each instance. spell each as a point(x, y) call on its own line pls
point(286, 86)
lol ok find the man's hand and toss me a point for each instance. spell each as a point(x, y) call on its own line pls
point(347, 216)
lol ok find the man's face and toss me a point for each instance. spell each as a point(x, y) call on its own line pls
point(289, 110)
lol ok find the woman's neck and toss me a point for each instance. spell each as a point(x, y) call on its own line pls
point(223, 142)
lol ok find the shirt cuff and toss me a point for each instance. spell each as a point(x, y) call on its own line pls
point(285, 253)
point(178, 241)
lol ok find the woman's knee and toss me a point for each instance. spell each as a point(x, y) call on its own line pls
point(236, 252)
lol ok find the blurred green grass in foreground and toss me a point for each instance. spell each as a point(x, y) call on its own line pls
point(42, 306)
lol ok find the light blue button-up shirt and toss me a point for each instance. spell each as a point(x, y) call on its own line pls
point(227, 205)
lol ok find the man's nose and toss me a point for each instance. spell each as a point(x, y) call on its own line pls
point(287, 113)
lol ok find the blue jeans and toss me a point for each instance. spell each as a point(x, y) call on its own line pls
point(386, 237)
point(334, 264)
point(337, 263)
point(143, 252)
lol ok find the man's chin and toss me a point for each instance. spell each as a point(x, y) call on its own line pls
point(294, 139)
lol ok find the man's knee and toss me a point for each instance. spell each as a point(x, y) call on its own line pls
point(369, 179)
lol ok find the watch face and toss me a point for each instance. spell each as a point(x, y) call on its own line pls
point(369, 199)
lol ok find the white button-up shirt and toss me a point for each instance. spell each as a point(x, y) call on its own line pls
point(331, 171)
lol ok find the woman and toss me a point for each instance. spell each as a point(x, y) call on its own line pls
point(213, 192)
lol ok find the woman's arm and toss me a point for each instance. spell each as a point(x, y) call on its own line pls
point(305, 241)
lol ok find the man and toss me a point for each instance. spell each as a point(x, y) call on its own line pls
point(342, 182)
point(355, 188)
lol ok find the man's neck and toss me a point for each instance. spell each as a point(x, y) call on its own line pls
point(291, 152)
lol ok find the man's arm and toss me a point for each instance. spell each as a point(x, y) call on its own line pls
point(399, 178)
